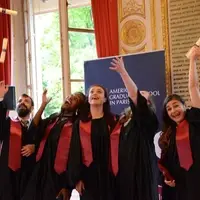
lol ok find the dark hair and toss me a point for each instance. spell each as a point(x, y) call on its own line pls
point(81, 105)
point(76, 112)
point(27, 96)
point(82, 98)
point(85, 109)
point(168, 123)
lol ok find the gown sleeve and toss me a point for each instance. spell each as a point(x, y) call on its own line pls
point(193, 115)
point(144, 116)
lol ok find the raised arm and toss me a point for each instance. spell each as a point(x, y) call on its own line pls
point(193, 78)
point(139, 104)
point(45, 101)
point(118, 66)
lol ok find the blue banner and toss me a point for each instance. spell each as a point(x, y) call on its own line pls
point(146, 69)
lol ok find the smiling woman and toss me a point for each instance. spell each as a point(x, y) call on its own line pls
point(94, 129)
point(103, 163)
point(174, 108)
point(180, 143)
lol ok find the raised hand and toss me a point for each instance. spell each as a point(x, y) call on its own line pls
point(3, 89)
point(118, 65)
point(195, 53)
point(45, 99)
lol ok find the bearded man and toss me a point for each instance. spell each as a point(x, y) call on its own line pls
point(17, 147)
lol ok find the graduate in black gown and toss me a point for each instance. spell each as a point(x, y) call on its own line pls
point(137, 175)
point(89, 159)
point(180, 141)
point(50, 178)
point(94, 148)
point(16, 147)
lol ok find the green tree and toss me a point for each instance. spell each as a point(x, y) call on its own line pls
point(82, 47)
point(50, 59)
point(80, 17)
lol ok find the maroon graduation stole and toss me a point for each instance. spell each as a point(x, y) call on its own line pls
point(62, 152)
point(85, 137)
point(164, 170)
point(183, 145)
point(114, 148)
point(63, 148)
point(86, 146)
point(43, 141)
point(14, 159)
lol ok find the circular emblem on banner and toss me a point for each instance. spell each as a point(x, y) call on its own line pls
point(133, 32)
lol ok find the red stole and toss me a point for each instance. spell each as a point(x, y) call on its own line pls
point(43, 141)
point(114, 146)
point(183, 145)
point(62, 152)
point(14, 159)
point(165, 172)
point(85, 137)
point(63, 149)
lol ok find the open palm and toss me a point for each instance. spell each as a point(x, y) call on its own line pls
point(117, 65)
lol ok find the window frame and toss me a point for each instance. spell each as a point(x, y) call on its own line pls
point(78, 30)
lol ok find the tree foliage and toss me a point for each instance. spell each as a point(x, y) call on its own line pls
point(81, 45)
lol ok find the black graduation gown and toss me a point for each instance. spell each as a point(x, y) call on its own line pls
point(137, 176)
point(45, 183)
point(12, 184)
point(187, 182)
point(98, 180)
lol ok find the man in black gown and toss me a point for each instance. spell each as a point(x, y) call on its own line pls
point(50, 177)
point(16, 147)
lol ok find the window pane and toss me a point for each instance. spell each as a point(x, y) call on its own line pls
point(80, 17)
point(49, 58)
point(77, 87)
point(82, 47)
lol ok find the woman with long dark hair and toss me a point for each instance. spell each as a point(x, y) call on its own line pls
point(96, 170)
point(89, 159)
point(180, 140)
